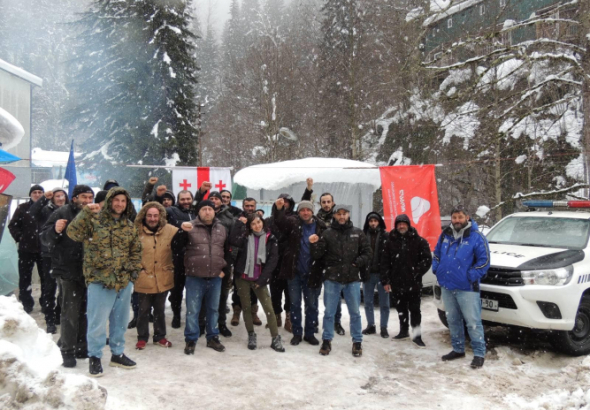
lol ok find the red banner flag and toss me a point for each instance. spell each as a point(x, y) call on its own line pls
point(411, 190)
point(6, 178)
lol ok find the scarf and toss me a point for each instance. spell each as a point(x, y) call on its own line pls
point(260, 256)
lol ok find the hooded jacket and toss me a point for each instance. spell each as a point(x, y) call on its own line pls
point(157, 267)
point(112, 250)
point(343, 250)
point(42, 210)
point(459, 264)
point(406, 259)
point(377, 239)
point(67, 255)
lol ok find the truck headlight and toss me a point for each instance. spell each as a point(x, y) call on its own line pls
point(552, 277)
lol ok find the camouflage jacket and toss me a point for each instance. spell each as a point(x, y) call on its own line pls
point(112, 249)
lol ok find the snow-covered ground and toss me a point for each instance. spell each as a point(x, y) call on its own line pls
point(390, 374)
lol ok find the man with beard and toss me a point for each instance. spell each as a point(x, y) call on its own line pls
point(461, 259)
point(41, 210)
point(326, 214)
point(177, 214)
point(405, 260)
point(24, 228)
point(226, 197)
point(112, 261)
point(344, 251)
point(66, 260)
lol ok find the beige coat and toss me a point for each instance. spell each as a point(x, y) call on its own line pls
point(157, 274)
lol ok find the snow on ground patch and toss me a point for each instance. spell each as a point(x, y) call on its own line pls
point(29, 360)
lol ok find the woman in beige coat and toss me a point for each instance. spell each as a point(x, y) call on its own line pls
point(157, 274)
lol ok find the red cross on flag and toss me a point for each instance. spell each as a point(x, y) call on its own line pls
point(190, 179)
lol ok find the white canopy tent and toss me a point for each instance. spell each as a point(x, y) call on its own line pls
point(350, 182)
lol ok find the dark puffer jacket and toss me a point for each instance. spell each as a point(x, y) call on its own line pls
point(67, 255)
point(204, 247)
point(24, 228)
point(292, 228)
point(377, 238)
point(344, 251)
point(272, 258)
point(269, 222)
point(177, 215)
point(406, 259)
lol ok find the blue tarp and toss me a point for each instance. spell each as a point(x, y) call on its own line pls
point(7, 158)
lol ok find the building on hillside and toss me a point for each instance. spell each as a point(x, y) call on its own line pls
point(16, 94)
point(449, 33)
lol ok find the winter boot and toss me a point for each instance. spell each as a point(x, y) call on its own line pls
point(69, 360)
point(339, 329)
point(215, 344)
point(370, 330)
point(418, 342)
point(122, 361)
point(312, 340)
point(190, 348)
point(403, 334)
point(224, 331)
point(357, 349)
point(295, 340)
point(176, 322)
point(251, 340)
point(133, 323)
point(277, 344)
point(452, 356)
point(477, 362)
point(51, 329)
point(384, 333)
point(95, 368)
point(255, 319)
point(235, 320)
point(326, 348)
point(288, 325)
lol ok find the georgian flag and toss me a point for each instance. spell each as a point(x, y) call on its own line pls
point(6, 178)
point(190, 179)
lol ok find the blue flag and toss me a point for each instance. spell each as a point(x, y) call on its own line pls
point(70, 175)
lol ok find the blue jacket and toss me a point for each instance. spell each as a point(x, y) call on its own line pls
point(459, 264)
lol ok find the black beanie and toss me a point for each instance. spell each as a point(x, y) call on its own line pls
point(100, 196)
point(215, 194)
point(82, 189)
point(36, 188)
point(204, 203)
point(110, 184)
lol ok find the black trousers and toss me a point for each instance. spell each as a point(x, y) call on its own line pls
point(407, 302)
point(157, 301)
point(48, 290)
point(277, 288)
point(26, 263)
point(176, 293)
point(73, 318)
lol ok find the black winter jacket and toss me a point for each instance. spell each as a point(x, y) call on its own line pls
point(176, 215)
point(379, 238)
point(406, 259)
point(269, 223)
point(291, 227)
point(42, 210)
point(24, 228)
point(272, 258)
point(67, 255)
point(344, 251)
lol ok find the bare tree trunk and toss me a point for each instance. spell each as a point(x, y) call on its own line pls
point(584, 38)
point(498, 180)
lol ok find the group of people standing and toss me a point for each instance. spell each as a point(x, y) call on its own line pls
point(104, 256)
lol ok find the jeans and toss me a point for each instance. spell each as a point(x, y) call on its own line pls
point(352, 296)
point(199, 290)
point(369, 290)
point(26, 263)
point(107, 304)
point(297, 287)
point(460, 306)
point(147, 302)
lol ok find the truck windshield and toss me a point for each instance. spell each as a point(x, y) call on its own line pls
point(569, 233)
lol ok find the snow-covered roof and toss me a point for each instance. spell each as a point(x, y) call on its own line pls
point(11, 130)
point(42, 158)
point(442, 13)
point(19, 72)
point(324, 170)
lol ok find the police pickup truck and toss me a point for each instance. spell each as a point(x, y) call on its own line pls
point(539, 276)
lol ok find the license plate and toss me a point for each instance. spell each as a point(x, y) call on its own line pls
point(489, 304)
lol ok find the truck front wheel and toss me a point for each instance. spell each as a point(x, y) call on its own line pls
point(575, 342)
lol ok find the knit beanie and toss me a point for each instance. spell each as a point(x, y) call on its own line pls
point(36, 188)
point(82, 189)
point(205, 203)
point(100, 196)
point(305, 205)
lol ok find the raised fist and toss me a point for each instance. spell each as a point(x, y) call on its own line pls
point(186, 226)
point(95, 208)
point(243, 220)
point(309, 183)
point(161, 190)
point(48, 194)
point(280, 203)
point(314, 238)
point(153, 180)
point(60, 225)
point(206, 186)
